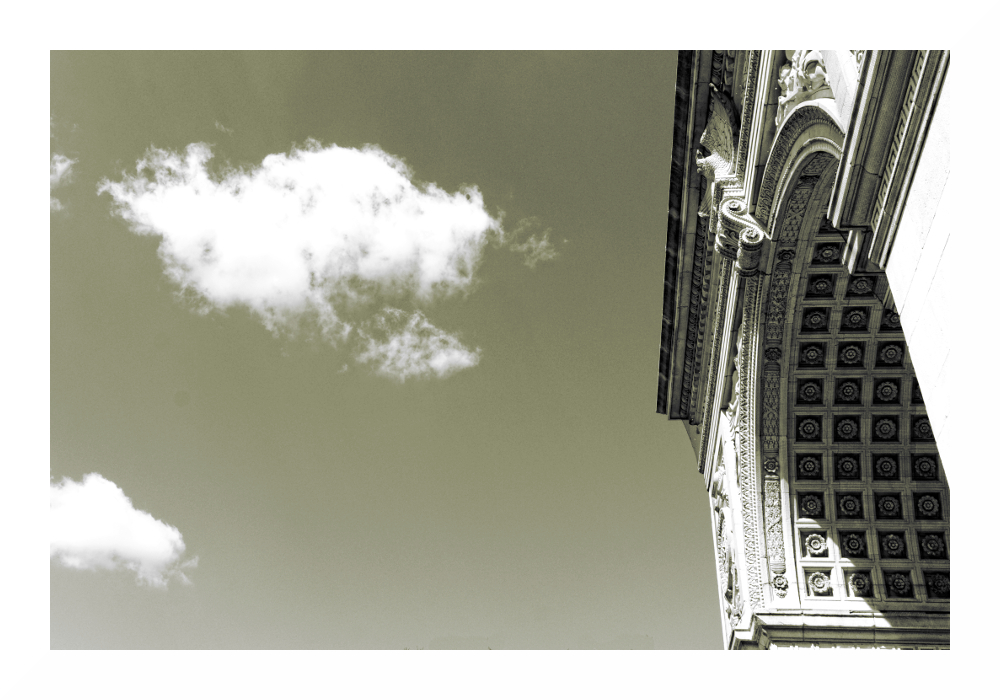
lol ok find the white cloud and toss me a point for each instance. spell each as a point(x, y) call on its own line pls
point(223, 129)
point(326, 238)
point(60, 172)
point(416, 349)
point(95, 526)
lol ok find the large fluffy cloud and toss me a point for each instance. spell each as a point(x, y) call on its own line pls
point(95, 526)
point(335, 237)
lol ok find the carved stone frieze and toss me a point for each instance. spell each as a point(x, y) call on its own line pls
point(729, 579)
point(801, 79)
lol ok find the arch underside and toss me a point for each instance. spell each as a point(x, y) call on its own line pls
point(855, 508)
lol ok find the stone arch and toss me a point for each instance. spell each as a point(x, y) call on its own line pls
point(811, 127)
point(820, 411)
point(798, 174)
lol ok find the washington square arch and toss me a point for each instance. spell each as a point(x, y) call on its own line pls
point(796, 341)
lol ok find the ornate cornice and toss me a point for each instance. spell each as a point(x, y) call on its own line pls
point(698, 298)
point(679, 166)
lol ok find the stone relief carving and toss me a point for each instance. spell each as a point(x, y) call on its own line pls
point(801, 79)
point(773, 535)
point(737, 234)
point(728, 571)
point(778, 296)
point(717, 139)
point(732, 412)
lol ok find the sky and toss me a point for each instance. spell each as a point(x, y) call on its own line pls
point(359, 351)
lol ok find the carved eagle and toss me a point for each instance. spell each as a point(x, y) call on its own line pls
point(718, 140)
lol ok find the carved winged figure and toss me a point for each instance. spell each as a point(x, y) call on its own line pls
point(717, 139)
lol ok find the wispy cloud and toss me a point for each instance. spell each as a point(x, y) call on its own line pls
point(60, 172)
point(223, 129)
point(413, 347)
point(322, 238)
point(534, 246)
point(95, 526)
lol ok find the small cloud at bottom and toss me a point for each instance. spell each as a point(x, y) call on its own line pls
point(94, 526)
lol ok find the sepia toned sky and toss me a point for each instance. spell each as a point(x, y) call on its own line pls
point(363, 347)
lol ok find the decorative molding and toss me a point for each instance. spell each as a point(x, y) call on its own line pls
point(696, 319)
point(747, 442)
point(680, 166)
point(723, 66)
point(771, 403)
point(795, 210)
point(801, 118)
point(777, 300)
point(706, 289)
point(725, 279)
point(902, 122)
point(746, 122)
point(771, 407)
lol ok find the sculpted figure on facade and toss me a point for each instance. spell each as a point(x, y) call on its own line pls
point(729, 573)
point(718, 165)
point(732, 412)
point(802, 79)
point(738, 235)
